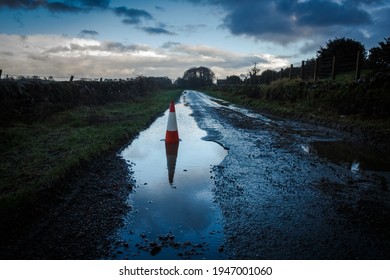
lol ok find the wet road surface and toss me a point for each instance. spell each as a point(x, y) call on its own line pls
point(173, 214)
point(284, 190)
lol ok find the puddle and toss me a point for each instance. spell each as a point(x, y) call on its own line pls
point(356, 157)
point(173, 215)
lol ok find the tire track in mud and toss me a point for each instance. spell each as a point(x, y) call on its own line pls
point(280, 200)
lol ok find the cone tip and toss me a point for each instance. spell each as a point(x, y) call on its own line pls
point(172, 106)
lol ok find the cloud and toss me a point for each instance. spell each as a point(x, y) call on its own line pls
point(309, 47)
point(62, 56)
point(132, 16)
point(257, 19)
point(122, 48)
point(288, 21)
point(192, 28)
point(159, 8)
point(215, 57)
point(56, 6)
point(327, 13)
point(170, 44)
point(87, 33)
point(60, 7)
point(96, 3)
point(20, 4)
point(157, 30)
point(92, 47)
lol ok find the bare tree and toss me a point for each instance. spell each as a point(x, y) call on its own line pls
point(253, 74)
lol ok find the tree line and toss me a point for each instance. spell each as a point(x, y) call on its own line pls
point(343, 49)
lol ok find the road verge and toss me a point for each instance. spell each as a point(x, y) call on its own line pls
point(39, 157)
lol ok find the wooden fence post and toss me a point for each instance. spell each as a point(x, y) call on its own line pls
point(71, 78)
point(358, 67)
point(290, 73)
point(316, 70)
point(1, 71)
point(334, 68)
point(281, 73)
point(302, 69)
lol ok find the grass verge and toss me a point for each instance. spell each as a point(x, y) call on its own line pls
point(36, 156)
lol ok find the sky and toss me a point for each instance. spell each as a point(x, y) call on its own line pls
point(125, 39)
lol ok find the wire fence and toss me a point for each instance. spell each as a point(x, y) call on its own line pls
point(350, 66)
point(9, 76)
point(328, 67)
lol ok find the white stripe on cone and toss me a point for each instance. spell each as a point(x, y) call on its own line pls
point(172, 135)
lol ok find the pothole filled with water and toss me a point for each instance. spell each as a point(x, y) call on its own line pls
point(173, 214)
point(353, 156)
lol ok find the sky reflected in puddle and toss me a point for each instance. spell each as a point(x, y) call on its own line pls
point(173, 215)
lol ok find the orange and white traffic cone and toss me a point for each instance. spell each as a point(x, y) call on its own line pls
point(172, 135)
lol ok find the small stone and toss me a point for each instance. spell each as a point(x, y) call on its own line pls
point(155, 250)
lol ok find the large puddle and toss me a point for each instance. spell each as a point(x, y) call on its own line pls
point(173, 215)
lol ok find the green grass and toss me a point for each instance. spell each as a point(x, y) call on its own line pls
point(36, 156)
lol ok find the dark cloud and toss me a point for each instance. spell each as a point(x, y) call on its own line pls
point(287, 21)
point(366, 2)
point(256, 19)
point(159, 8)
point(88, 33)
point(60, 7)
point(309, 47)
point(114, 47)
point(96, 3)
point(192, 28)
point(132, 16)
point(326, 13)
point(38, 57)
point(7, 53)
point(58, 50)
point(56, 6)
point(157, 30)
point(20, 4)
point(170, 44)
point(121, 48)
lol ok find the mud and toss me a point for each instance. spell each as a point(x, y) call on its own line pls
point(78, 224)
point(282, 199)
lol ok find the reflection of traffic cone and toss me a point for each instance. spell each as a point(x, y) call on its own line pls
point(172, 135)
point(171, 151)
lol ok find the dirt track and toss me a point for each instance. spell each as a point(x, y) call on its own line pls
point(279, 197)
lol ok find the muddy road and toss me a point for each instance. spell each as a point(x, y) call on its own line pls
point(240, 185)
point(289, 190)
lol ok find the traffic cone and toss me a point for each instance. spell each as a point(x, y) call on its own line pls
point(172, 135)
